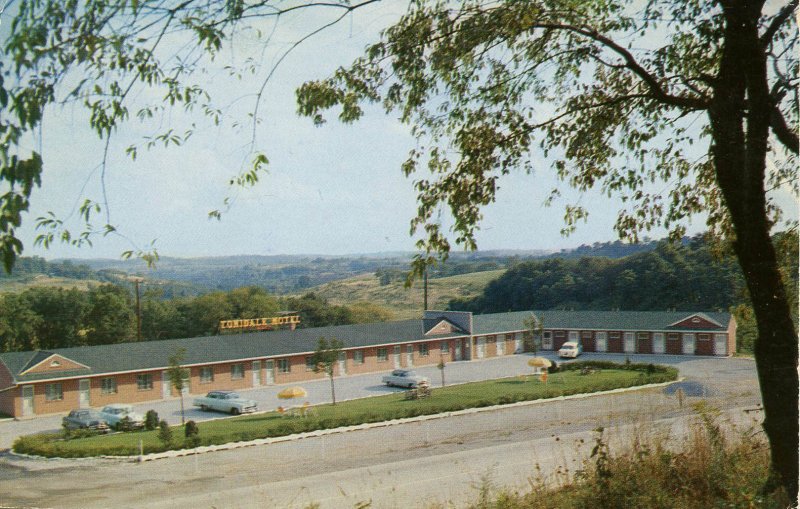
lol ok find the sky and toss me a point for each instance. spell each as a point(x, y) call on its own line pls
point(335, 189)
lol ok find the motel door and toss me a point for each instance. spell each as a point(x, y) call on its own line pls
point(458, 350)
point(630, 342)
point(342, 363)
point(410, 355)
point(270, 365)
point(501, 346)
point(720, 341)
point(256, 373)
point(481, 348)
point(658, 342)
point(166, 385)
point(83, 393)
point(688, 344)
point(600, 344)
point(397, 355)
point(27, 400)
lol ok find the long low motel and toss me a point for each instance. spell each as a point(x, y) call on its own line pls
point(58, 380)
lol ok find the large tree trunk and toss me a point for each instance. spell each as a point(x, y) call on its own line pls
point(740, 128)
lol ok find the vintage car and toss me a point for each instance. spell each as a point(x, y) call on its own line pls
point(85, 419)
point(570, 349)
point(404, 378)
point(122, 416)
point(226, 401)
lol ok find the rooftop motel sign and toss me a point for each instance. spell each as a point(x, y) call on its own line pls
point(259, 323)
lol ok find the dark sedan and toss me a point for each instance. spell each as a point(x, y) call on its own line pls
point(85, 419)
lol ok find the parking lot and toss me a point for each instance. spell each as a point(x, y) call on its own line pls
point(720, 378)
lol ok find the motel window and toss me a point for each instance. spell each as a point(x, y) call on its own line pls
point(206, 375)
point(237, 371)
point(509, 337)
point(423, 349)
point(284, 366)
point(144, 382)
point(310, 363)
point(704, 337)
point(108, 386)
point(673, 336)
point(547, 335)
point(445, 347)
point(54, 392)
point(491, 339)
point(643, 335)
point(613, 335)
point(559, 333)
point(573, 335)
point(383, 354)
point(358, 356)
point(586, 334)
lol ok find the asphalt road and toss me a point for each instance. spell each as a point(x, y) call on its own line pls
point(407, 465)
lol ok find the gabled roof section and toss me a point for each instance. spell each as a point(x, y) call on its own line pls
point(49, 362)
point(438, 326)
point(695, 321)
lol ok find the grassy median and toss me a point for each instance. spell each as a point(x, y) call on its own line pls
point(573, 378)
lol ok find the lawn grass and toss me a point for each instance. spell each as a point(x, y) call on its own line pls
point(359, 411)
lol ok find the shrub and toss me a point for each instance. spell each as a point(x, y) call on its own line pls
point(125, 424)
point(165, 433)
point(151, 420)
point(190, 429)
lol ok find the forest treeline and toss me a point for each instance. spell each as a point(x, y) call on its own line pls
point(45, 318)
point(686, 276)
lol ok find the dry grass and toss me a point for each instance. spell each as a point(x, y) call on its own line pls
point(715, 466)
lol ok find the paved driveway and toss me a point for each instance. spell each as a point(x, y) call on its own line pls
point(732, 376)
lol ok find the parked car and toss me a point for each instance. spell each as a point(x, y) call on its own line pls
point(85, 419)
point(404, 378)
point(570, 349)
point(226, 401)
point(116, 413)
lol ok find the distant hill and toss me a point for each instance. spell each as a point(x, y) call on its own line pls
point(406, 302)
point(278, 274)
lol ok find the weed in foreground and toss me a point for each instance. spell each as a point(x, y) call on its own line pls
point(709, 468)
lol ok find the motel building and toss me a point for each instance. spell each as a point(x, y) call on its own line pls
point(59, 380)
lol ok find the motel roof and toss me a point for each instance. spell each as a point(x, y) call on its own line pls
point(596, 320)
point(139, 356)
point(147, 355)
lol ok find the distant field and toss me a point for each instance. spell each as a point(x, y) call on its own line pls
point(405, 302)
point(21, 284)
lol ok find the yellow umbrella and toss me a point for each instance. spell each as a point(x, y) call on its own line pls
point(539, 362)
point(292, 392)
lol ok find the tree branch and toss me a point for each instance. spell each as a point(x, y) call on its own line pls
point(782, 131)
point(777, 21)
point(659, 94)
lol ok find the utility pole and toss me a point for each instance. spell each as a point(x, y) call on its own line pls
point(425, 284)
point(138, 311)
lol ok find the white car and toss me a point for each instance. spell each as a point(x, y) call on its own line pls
point(226, 401)
point(115, 413)
point(570, 349)
point(404, 378)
